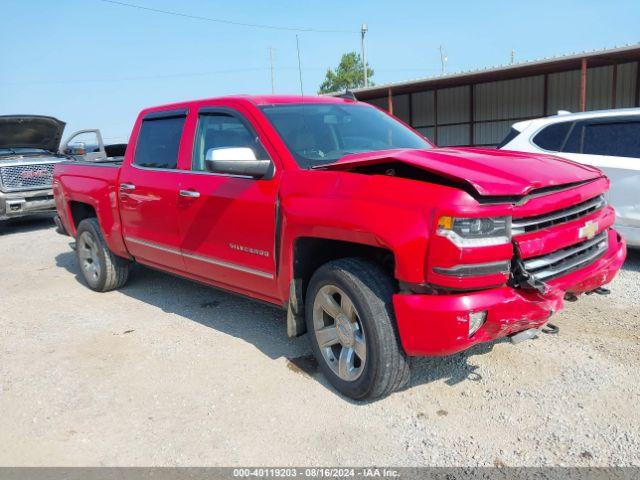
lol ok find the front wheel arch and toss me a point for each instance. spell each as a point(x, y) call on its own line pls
point(309, 254)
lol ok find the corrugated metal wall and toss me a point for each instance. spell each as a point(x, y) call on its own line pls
point(423, 108)
point(626, 87)
point(481, 114)
point(599, 88)
point(453, 105)
point(506, 99)
point(401, 108)
point(491, 133)
point(563, 92)
point(521, 97)
point(379, 102)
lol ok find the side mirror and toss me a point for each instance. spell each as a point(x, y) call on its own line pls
point(77, 148)
point(236, 161)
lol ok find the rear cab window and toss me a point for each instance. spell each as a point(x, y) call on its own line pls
point(159, 140)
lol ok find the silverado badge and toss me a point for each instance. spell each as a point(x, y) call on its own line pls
point(589, 230)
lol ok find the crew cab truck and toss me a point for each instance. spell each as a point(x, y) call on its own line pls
point(378, 244)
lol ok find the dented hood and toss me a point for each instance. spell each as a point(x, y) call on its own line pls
point(489, 172)
point(30, 131)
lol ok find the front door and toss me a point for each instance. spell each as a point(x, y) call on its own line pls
point(148, 192)
point(227, 222)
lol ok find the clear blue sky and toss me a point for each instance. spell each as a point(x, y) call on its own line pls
point(94, 64)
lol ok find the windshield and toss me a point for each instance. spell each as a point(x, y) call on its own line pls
point(22, 151)
point(319, 134)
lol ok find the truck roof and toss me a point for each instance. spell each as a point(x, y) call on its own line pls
point(255, 100)
point(280, 99)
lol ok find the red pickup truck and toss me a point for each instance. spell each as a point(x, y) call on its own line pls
point(374, 241)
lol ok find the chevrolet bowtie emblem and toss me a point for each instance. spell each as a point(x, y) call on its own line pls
point(589, 230)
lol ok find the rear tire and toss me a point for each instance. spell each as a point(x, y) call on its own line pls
point(101, 269)
point(351, 325)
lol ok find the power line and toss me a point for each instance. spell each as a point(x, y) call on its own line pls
point(227, 22)
point(195, 74)
point(142, 77)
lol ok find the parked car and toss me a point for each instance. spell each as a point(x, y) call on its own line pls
point(28, 152)
point(608, 139)
point(378, 244)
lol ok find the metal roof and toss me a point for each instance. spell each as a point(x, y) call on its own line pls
point(534, 67)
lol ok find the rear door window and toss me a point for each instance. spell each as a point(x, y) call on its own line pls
point(159, 142)
point(619, 139)
point(552, 137)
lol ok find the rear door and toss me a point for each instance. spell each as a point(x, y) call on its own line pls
point(148, 191)
point(228, 222)
point(612, 145)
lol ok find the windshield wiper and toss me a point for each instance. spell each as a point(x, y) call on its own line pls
point(322, 165)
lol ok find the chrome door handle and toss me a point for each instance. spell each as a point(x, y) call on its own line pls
point(127, 187)
point(189, 193)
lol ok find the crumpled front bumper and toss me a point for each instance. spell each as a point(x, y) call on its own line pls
point(439, 324)
point(19, 204)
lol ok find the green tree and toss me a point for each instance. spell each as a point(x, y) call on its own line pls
point(349, 74)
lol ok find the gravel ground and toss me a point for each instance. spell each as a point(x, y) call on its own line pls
point(168, 372)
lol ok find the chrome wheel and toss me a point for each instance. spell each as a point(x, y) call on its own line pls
point(339, 333)
point(88, 254)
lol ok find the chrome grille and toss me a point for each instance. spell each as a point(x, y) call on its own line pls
point(567, 259)
point(26, 177)
point(533, 224)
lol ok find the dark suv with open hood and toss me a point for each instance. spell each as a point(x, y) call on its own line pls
point(28, 152)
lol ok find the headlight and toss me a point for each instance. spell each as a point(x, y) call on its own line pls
point(475, 232)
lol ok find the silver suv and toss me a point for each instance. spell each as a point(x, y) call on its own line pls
point(28, 151)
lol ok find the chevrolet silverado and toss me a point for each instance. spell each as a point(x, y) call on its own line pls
point(378, 244)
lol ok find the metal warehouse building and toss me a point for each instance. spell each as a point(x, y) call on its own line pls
point(478, 107)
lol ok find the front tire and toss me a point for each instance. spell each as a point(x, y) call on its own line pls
point(101, 269)
point(351, 327)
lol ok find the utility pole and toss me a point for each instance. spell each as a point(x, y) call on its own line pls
point(443, 61)
point(513, 56)
point(273, 81)
point(363, 31)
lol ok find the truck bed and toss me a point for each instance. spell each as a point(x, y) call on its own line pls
point(92, 183)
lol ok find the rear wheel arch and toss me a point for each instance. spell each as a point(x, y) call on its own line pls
point(81, 211)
